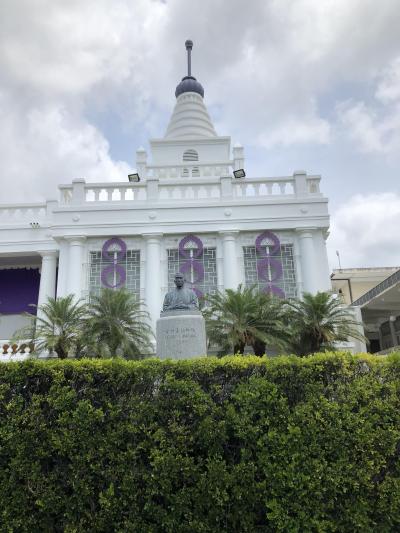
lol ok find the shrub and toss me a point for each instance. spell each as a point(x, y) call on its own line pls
point(233, 444)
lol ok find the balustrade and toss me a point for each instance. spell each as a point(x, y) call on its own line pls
point(167, 189)
point(20, 212)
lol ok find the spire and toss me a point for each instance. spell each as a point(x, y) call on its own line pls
point(189, 46)
point(189, 84)
point(190, 118)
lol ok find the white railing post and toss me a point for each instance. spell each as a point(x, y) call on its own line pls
point(300, 182)
point(152, 188)
point(226, 186)
point(78, 191)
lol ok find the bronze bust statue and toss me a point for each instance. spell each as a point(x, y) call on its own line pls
point(181, 297)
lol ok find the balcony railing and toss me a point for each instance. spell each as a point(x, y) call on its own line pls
point(33, 213)
point(210, 188)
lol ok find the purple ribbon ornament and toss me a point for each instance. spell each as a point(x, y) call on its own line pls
point(191, 263)
point(269, 268)
point(114, 272)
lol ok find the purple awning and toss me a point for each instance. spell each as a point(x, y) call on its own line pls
point(19, 287)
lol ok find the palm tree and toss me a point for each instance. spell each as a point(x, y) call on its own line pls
point(117, 325)
point(56, 327)
point(316, 322)
point(236, 319)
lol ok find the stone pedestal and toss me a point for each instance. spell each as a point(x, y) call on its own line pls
point(181, 335)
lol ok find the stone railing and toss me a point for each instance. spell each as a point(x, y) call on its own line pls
point(166, 189)
point(31, 213)
point(189, 170)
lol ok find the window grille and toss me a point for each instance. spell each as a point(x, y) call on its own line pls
point(285, 255)
point(130, 263)
point(208, 258)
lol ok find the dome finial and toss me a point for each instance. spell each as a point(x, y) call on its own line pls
point(189, 46)
point(189, 84)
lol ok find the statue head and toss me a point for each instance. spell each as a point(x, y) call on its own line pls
point(179, 280)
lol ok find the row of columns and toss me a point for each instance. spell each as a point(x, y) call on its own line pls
point(72, 258)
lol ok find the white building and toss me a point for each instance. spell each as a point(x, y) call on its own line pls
point(188, 212)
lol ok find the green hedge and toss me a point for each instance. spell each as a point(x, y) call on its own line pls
point(232, 444)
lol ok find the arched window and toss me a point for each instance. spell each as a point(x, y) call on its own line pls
point(190, 155)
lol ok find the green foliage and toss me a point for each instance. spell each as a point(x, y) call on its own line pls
point(213, 445)
point(245, 317)
point(317, 321)
point(113, 324)
point(57, 327)
point(117, 326)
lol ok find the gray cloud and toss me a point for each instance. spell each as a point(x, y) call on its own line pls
point(277, 75)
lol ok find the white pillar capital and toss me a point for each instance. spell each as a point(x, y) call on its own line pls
point(48, 254)
point(229, 235)
point(152, 238)
point(305, 233)
point(76, 240)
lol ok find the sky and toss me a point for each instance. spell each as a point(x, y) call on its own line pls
point(302, 84)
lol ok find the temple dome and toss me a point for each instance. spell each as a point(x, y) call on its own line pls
point(189, 84)
point(190, 118)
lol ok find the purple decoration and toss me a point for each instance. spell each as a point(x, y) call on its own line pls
point(191, 262)
point(19, 288)
point(272, 237)
point(197, 268)
point(275, 268)
point(119, 270)
point(198, 292)
point(184, 252)
point(109, 256)
point(268, 268)
point(273, 289)
point(113, 269)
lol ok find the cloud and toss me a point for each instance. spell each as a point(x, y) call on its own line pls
point(376, 127)
point(268, 68)
point(48, 146)
point(365, 230)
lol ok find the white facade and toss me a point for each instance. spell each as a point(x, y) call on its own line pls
point(187, 188)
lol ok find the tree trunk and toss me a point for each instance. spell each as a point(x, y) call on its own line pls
point(259, 347)
point(239, 348)
point(60, 351)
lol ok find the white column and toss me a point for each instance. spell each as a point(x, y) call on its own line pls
point(62, 279)
point(48, 274)
point(230, 266)
point(309, 267)
point(359, 346)
point(153, 276)
point(75, 265)
point(324, 280)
